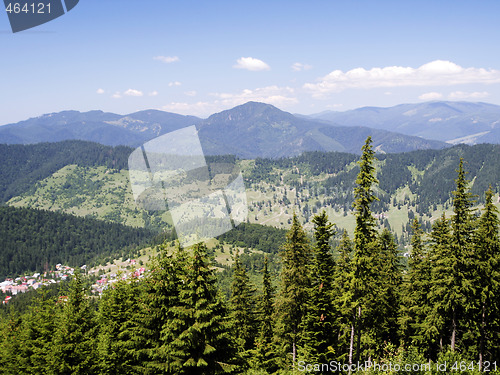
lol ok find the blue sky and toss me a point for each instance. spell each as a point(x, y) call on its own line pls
point(201, 57)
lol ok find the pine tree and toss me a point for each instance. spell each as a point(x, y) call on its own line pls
point(11, 342)
point(197, 336)
point(415, 303)
point(265, 352)
point(364, 260)
point(39, 331)
point(242, 310)
point(437, 324)
point(342, 295)
point(487, 277)
point(156, 311)
point(388, 289)
point(295, 283)
point(461, 253)
point(116, 344)
point(321, 313)
point(74, 346)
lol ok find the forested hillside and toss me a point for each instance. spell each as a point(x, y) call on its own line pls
point(35, 240)
point(22, 166)
point(87, 179)
point(340, 308)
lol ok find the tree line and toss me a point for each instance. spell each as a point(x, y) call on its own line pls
point(351, 304)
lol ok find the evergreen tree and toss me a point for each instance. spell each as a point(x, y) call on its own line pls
point(295, 283)
point(388, 289)
point(364, 272)
point(342, 296)
point(156, 311)
point(461, 254)
point(11, 344)
point(197, 335)
point(265, 352)
point(74, 346)
point(321, 313)
point(242, 310)
point(415, 303)
point(39, 331)
point(116, 346)
point(487, 279)
point(437, 324)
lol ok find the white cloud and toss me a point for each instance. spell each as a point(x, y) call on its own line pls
point(199, 108)
point(431, 96)
point(297, 67)
point(434, 73)
point(116, 95)
point(167, 59)
point(468, 95)
point(190, 93)
point(250, 63)
point(100, 91)
point(280, 96)
point(176, 83)
point(153, 93)
point(132, 92)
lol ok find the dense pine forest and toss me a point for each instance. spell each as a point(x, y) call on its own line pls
point(334, 308)
point(35, 240)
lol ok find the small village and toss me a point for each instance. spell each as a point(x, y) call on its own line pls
point(10, 287)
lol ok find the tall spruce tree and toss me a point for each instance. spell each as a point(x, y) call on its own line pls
point(487, 279)
point(11, 343)
point(342, 296)
point(319, 323)
point(415, 302)
point(388, 292)
point(364, 261)
point(437, 326)
point(295, 283)
point(198, 336)
point(117, 322)
point(242, 310)
point(39, 331)
point(265, 351)
point(75, 345)
point(461, 254)
point(156, 311)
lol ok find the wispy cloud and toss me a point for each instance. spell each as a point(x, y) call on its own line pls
point(431, 96)
point(434, 73)
point(167, 59)
point(468, 95)
point(297, 67)
point(198, 108)
point(190, 93)
point(280, 96)
point(129, 92)
point(175, 83)
point(100, 91)
point(250, 63)
point(132, 92)
point(153, 93)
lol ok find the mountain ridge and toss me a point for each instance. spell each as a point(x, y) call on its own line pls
point(249, 130)
point(447, 121)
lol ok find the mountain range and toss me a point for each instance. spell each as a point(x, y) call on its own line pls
point(452, 122)
point(250, 130)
